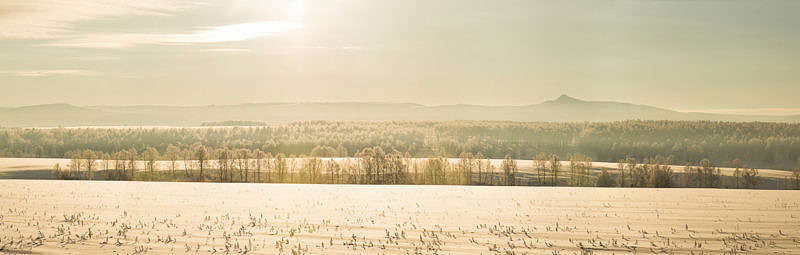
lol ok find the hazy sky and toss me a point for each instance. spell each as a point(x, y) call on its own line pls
point(686, 55)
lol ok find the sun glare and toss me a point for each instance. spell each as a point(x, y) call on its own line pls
point(239, 32)
point(295, 9)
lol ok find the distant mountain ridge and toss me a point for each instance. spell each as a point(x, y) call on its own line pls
point(562, 109)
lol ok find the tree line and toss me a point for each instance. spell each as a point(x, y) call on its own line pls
point(205, 164)
point(765, 145)
point(373, 165)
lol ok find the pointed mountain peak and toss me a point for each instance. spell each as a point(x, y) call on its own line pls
point(564, 97)
point(567, 99)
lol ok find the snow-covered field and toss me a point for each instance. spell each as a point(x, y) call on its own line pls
point(103, 217)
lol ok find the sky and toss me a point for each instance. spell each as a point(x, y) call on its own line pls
point(719, 56)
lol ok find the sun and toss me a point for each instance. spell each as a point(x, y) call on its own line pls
point(295, 9)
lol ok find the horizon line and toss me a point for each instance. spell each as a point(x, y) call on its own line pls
point(762, 111)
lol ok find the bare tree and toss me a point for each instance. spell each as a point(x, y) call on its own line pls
point(710, 175)
point(737, 173)
point(132, 156)
point(187, 155)
point(311, 170)
point(750, 179)
point(150, 155)
point(796, 176)
point(75, 164)
point(119, 163)
point(243, 161)
point(510, 171)
point(201, 155)
point(259, 158)
point(489, 172)
point(466, 162)
point(171, 154)
point(223, 157)
point(268, 165)
point(621, 176)
point(631, 164)
point(540, 163)
point(436, 171)
point(579, 166)
point(90, 160)
point(57, 173)
point(106, 159)
point(334, 171)
point(604, 179)
point(281, 167)
point(555, 166)
point(479, 166)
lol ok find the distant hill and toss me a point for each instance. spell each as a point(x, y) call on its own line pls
point(562, 109)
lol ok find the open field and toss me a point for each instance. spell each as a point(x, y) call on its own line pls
point(28, 168)
point(80, 217)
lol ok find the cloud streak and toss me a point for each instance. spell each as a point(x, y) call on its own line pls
point(52, 72)
point(45, 19)
point(228, 50)
point(228, 33)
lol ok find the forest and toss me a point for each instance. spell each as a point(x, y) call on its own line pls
point(757, 144)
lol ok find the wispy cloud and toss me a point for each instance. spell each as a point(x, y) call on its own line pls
point(228, 50)
point(51, 72)
point(237, 32)
point(228, 33)
point(41, 19)
point(344, 48)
